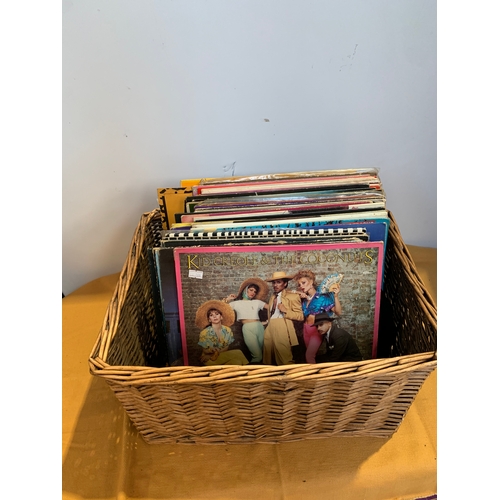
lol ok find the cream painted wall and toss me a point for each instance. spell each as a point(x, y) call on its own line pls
point(156, 91)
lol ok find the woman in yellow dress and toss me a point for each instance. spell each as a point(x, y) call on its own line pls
point(215, 317)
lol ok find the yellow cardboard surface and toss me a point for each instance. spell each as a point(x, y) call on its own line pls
point(104, 457)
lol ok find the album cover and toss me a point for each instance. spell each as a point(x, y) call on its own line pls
point(302, 220)
point(171, 201)
point(364, 178)
point(275, 236)
point(232, 202)
point(281, 210)
point(166, 303)
point(285, 175)
point(211, 277)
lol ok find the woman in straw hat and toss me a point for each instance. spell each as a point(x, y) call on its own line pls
point(247, 306)
point(215, 317)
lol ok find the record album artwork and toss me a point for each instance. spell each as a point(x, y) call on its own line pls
point(212, 273)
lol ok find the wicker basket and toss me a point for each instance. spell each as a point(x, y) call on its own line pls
point(245, 404)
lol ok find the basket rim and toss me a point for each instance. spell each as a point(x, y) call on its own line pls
point(143, 375)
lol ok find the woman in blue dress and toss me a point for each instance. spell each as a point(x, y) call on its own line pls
point(315, 302)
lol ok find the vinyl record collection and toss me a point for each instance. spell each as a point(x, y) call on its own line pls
point(271, 269)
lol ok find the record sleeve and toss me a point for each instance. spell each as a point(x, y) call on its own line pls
point(166, 303)
point(210, 273)
point(290, 175)
point(288, 185)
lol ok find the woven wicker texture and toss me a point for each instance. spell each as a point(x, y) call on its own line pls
point(235, 404)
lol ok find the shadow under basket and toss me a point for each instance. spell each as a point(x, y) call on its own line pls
point(271, 404)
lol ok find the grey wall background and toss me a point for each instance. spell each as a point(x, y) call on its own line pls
point(156, 91)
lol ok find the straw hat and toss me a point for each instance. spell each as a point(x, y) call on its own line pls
point(263, 287)
point(280, 275)
point(228, 316)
